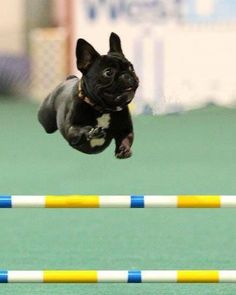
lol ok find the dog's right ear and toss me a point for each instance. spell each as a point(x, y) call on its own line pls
point(85, 54)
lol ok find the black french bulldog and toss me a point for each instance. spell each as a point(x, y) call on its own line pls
point(91, 111)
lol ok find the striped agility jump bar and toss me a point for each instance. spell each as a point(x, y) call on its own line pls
point(119, 276)
point(135, 201)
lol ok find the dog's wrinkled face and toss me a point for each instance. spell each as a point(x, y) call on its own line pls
point(108, 80)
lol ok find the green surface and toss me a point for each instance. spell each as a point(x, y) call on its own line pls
point(192, 153)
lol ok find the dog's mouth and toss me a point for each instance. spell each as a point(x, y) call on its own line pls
point(126, 96)
point(129, 89)
point(121, 100)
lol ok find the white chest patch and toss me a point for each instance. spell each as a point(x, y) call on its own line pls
point(103, 122)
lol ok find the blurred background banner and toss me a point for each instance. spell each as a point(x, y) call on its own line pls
point(182, 50)
point(214, 11)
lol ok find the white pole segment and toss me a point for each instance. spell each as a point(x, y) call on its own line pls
point(19, 276)
point(159, 276)
point(114, 201)
point(227, 276)
point(160, 201)
point(228, 201)
point(113, 276)
point(28, 201)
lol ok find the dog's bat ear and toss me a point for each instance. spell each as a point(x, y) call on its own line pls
point(85, 55)
point(115, 44)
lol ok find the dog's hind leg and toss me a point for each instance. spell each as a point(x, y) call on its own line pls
point(47, 115)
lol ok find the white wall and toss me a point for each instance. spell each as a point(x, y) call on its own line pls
point(12, 26)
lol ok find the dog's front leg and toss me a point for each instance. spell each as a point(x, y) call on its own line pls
point(80, 135)
point(67, 121)
point(123, 145)
point(75, 134)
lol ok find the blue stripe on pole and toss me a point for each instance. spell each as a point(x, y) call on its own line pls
point(5, 202)
point(137, 202)
point(3, 276)
point(134, 276)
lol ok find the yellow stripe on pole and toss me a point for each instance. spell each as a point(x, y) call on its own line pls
point(199, 201)
point(72, 201)
point(70, 276)
point(198, 276)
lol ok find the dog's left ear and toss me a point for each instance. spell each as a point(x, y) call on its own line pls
point(115, 44)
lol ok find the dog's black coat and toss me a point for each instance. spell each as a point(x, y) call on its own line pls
point(92, 111)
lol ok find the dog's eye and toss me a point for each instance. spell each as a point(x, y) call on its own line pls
point(108, 73)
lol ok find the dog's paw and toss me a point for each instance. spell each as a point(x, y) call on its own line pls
point(123, 152)
point(77, 135)
point(97, 132)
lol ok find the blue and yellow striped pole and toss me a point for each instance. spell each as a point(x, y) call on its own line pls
point(118, 201)
point(119, 276)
